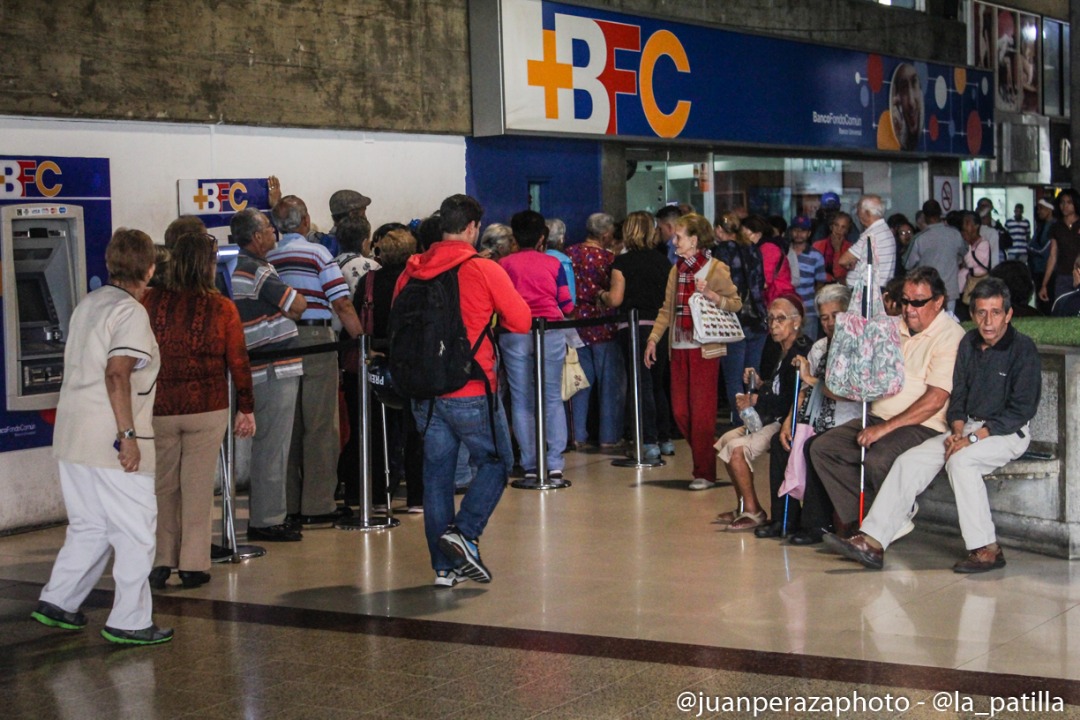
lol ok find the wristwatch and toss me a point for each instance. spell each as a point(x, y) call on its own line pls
point(973, 438)
point(128, 434)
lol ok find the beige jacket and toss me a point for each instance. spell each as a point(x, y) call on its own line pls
point(719, 281)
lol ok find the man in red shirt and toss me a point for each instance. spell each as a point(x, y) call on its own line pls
point(462, 416)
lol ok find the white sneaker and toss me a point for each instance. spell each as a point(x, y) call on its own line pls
point(449, 578)
point(702, 484)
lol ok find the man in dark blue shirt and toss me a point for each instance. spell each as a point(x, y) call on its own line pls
point(996, 386)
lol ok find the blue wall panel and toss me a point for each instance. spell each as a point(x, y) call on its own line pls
point(498, 171)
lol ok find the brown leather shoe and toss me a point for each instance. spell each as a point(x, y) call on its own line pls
point(856, 548)
point(979, 560)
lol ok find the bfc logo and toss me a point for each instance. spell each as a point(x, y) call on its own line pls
point(602, 60)
point(220, 197)
point(21, 178)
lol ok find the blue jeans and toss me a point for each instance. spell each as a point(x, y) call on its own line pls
point(454, 422)
point(519, 361)
point(741, 355)
point(603, 366)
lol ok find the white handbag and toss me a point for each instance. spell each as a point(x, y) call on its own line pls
point(713, 325)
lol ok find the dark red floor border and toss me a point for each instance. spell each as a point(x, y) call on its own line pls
point(752, 661)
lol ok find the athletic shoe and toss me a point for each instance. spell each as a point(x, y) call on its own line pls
point(152, 635)
point(667, 448)
point(555, 477)
point(454, 544)
point(650, 452)
point(449, 578)
point(702, 484)
point(48, 614)
point(415, 510)
point(531, 476)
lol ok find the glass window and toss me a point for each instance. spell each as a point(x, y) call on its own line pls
point(1066, 73)
point(773, 185)
point(1052, 67)
point(909, 4)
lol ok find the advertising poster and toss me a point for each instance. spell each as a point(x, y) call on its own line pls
point(215, 201)
point(583, 71)
point(53, 182)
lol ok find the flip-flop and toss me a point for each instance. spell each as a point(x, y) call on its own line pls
point(726, 518)
point(748, 521)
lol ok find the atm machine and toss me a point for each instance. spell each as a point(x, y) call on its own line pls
point(42, 249)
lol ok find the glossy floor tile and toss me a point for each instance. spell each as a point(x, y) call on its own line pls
point(609, 599)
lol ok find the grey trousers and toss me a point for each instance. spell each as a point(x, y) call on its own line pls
point(315, 446)
point(275, 408)
point(915, 470)
point(836, 458)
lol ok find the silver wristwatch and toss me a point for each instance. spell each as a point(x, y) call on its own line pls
point(973, 438)
point(126, 434)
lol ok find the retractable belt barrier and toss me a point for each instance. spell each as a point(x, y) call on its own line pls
point(366, 520)
point(539, 327)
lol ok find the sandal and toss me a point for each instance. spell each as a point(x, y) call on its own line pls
point(726, 518)
point(747, 521)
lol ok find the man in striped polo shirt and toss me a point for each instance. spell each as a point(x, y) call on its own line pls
point(313, 454)
point(269, 310)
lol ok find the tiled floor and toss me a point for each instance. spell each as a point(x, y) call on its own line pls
point(609, 599)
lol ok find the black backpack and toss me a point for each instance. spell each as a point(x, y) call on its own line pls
point(430, 354)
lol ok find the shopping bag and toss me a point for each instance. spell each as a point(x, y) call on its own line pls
point(573, 375)
point(865, 359)
point(795, 473)
point(713, 325)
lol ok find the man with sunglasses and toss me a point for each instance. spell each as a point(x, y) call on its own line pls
point(996, 387)
point(929, 340)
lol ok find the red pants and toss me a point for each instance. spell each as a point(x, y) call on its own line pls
point(693, 403)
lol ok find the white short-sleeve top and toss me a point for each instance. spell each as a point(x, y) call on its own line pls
point(109, 322)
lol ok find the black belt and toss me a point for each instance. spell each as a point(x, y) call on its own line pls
point(314, 323)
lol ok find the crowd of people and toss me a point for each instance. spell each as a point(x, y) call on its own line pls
point(150, 351)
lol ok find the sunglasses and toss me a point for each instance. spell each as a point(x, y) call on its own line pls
point(915, 303)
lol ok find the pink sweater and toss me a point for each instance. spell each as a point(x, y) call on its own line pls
point(541, 282)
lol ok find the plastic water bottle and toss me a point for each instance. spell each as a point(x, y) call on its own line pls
point(751, 419)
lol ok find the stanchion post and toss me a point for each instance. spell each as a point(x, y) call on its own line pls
point(386, 462)
point(365, 520)
point(542, 482)
point(228, 470)
point(639, 460)
point(541, 420)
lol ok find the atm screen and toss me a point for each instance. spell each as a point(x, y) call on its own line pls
point(33, 299)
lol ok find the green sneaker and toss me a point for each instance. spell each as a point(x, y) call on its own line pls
point(48, 614)
point(152, 635)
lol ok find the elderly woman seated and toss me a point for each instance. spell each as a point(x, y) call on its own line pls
point(831, 300)
point(771, 398)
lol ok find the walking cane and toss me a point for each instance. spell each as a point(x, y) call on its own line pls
point(794, 424)
point(866, 310)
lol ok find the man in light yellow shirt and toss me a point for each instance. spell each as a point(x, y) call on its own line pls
point(929, 340)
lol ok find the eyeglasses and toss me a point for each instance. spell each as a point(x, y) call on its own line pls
point(774, 319)
point(915, 303)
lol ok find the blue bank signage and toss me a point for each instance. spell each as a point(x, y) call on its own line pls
point(563, 69)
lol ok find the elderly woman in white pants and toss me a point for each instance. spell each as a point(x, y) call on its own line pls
point(105, 445)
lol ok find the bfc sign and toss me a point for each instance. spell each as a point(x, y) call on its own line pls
point(29, 179)
point(588, 74)
point(565, 69)
point(214, 197)
point(586, 97)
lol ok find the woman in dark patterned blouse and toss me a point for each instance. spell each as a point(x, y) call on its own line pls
point(200, 336)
